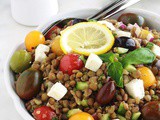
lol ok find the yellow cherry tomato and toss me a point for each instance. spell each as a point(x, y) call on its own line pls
point(33, 39)
point(144, 34)
point(56, 46)
point(147, 76)
point(81, 116)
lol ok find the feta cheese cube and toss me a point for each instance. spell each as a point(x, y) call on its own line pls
point(135, 88)
point(156, 50)
point(57, 91)
point(93, 62)
point(138, 31)
point(122, 33)
point(40, 52)
point(107, 24)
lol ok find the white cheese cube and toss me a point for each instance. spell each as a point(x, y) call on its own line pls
point(40, 52)
point(135, 88)
point(107, 24)
point(130, 26)
point(156, 50)
point(123, 33)
point(57, 91)
point(93, 62)
point(138, 31)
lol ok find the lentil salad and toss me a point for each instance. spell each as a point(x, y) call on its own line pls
point(85, 86)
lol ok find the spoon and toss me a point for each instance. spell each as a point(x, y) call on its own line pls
point(109, 10)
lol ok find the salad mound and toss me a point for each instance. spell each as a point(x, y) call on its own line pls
point(91, 70)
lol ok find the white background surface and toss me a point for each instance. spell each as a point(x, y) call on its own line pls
point(12, 33)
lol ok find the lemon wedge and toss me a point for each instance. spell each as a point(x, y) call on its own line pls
point(85, 38)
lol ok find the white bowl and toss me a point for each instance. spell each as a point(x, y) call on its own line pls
point(152, 19)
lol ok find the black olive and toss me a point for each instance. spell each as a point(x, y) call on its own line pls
point(125, 42)
point(75, 21)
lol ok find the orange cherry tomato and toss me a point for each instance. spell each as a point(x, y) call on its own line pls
point(56, 46)
point(33, 39)
point(81, 116)
point(147, 76)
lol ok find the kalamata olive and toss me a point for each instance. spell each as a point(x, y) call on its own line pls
point(125, 42)
point(29, 83)
point(132, 18)
point(106, 93)
point(151, 111)
point(20, 61)
point(95, 116)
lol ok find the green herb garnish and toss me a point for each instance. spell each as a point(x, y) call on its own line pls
point(115, 71)
point(139, 56)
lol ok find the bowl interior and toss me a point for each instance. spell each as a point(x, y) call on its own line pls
point(152, 20)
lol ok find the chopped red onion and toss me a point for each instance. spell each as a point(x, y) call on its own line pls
point(150, 37)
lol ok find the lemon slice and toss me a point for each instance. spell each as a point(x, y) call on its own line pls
point(85, 38)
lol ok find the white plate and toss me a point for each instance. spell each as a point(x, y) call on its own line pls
point(152, 19)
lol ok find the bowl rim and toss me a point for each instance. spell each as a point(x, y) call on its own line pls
point(15, 98)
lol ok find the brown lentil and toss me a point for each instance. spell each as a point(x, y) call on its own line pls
point(51, 101)
point(99, 72)
point(131, 101)
point(119, 97)
point(113, 115)
point(72, 83)
point(111, 109)
point(128, 114)
point(44, 97)
point(65, 103)
point(60, 75)
point(65, 110)
point(135, 109)
point(52, 76)
point(147, 98)
point(91, 73)
point(78, 93)
point(152, 92)
point(90, 101)
point(91, 111)
point(79, 74)
point(125, 97)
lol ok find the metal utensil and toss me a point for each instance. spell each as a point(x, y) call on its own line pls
point(109, 10)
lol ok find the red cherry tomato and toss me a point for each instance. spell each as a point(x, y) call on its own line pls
point(44, 113)
point(50, 33)
point(70, 62)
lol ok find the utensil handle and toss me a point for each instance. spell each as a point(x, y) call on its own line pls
point(113, 8)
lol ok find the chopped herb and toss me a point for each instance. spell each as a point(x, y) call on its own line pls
point(139, 56)
point(149, 45)
point(83, 59)
point(55, 118)
point(92, 20)
point(109, 57)
point(115, 71)
point(155, 97)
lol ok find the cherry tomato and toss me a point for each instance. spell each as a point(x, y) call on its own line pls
point(81, 116)
point(70, 62)
point(151, 110)
point(56, 46)
point(51, 32)
point(44, 113)
point(147, 76)
point(33, 39)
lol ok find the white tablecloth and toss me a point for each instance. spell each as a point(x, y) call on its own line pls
point(12, 33)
